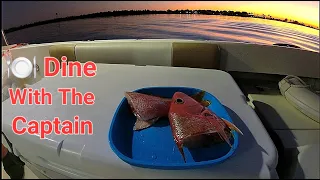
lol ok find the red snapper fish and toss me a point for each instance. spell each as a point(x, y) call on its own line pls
point(194, 125)
point(149, 108)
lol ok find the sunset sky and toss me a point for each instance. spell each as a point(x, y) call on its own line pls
point(15, 13)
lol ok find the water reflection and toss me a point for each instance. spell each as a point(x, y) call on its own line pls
point(185, 26)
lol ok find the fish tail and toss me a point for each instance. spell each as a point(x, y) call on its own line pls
point(140, 124)
point(232, 126)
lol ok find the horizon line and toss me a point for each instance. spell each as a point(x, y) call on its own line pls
point(168, 10)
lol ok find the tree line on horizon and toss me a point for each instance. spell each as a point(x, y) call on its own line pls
point(146, 11)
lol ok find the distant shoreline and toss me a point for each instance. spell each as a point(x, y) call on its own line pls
point(146, 12)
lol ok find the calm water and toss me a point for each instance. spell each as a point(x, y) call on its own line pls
point(197, 27)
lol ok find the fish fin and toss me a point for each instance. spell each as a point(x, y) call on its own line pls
point(198, 96)
point(232, 126)
point(140, 124)
point(205, 103)
point(182, 153)
point(224, 137)
point(126, 94)
point(218, 127)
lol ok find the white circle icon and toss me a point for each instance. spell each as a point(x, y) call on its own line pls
point(21, 67)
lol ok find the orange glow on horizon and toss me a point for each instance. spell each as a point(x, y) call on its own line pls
point(306, 12)
point(303, 11)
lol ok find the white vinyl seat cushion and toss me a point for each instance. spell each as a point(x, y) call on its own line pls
point(280, 114)
point(309, 165)
point(135, 53)
point(295, 129)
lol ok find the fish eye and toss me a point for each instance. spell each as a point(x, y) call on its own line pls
point(179, 101)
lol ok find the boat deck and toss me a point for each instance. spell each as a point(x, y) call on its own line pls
point(292, 132)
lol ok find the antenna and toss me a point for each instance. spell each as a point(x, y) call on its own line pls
point(4, 37)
